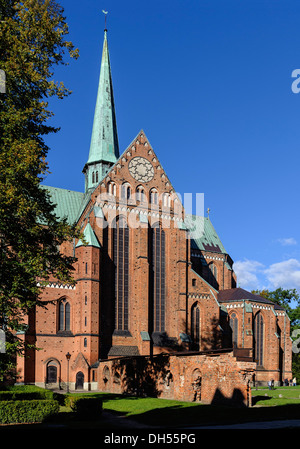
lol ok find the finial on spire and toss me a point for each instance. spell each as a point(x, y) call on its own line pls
point(105, 13)
point(208, 211)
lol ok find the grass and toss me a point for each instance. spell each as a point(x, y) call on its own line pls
point(278, 396)
point(165, 413)
point(169, 413)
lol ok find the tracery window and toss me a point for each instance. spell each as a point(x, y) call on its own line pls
point(158, 269)
point(64, 316)
point(140, 194)
point(195, 326)
point(121, 262)
point(125, 192)
point(213, 270)
point(153, 196)
point(112, 188)
point(234, 324)
point(166, 200)
point(259, 338)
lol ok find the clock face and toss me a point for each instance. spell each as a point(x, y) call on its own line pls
point(141, 169)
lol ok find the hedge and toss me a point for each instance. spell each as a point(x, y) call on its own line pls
point(85, 406)
point(27, 411)
point(25, 395)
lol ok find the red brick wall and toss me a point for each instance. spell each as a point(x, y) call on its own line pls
point(223, 379)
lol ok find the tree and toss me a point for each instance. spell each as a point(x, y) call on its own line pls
point(32, 42)
point(288, 299)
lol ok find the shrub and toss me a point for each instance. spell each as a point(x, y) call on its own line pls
point(24, 395)
point(27, 411)
point(84, 406)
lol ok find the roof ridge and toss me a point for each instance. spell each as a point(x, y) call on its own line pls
point(44, 186)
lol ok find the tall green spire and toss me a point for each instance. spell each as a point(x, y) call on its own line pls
point(104, 147)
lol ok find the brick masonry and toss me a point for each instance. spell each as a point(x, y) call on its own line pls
point(189, 285)
point(211, 378)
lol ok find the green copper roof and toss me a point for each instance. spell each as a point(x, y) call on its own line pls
point(70, 205)
point(89, 237)
point(67, 203)
point(104, 141)
point(204, 236)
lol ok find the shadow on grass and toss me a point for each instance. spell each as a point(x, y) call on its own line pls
point(256, 399)
point(178, 417)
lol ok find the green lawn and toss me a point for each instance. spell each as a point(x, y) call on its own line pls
point(279, 396)
point(167, 413)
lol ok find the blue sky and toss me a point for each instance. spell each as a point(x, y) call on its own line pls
point(209, 81)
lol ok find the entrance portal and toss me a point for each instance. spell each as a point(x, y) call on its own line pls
point(79, 381)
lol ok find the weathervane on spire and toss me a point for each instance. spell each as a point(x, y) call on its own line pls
point(105, 13)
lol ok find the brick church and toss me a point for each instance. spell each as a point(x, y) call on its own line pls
point(150, 281)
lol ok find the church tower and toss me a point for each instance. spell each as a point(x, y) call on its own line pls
point(104, 147)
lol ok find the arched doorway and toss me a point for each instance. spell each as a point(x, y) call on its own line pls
point(79, 380)
point(52, 372)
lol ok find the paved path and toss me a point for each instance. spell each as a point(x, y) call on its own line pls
point(283, 424)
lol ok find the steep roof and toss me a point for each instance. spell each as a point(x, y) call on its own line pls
point(68, 203)
point(239, 294)
point(89, 237)
point(104, 141)
point(204, 236)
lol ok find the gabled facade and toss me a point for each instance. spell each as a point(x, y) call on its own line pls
point(150, 279)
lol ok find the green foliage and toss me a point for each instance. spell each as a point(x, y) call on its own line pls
point(288, 299)
point(32, 42)
point(28, 392)
point(89, 407)
point(23, 395)
point(27, 411)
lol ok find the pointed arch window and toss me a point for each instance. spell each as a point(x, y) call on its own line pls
point(112, 188)
point(121, 263)
point(125, 192)
point(140, 194)
point(154, 196)
point(259, 338)
point(64, 316)
point(213, 270)
point(234, 326)
point(195, 326)
point(166, 200)
point(158, 269)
